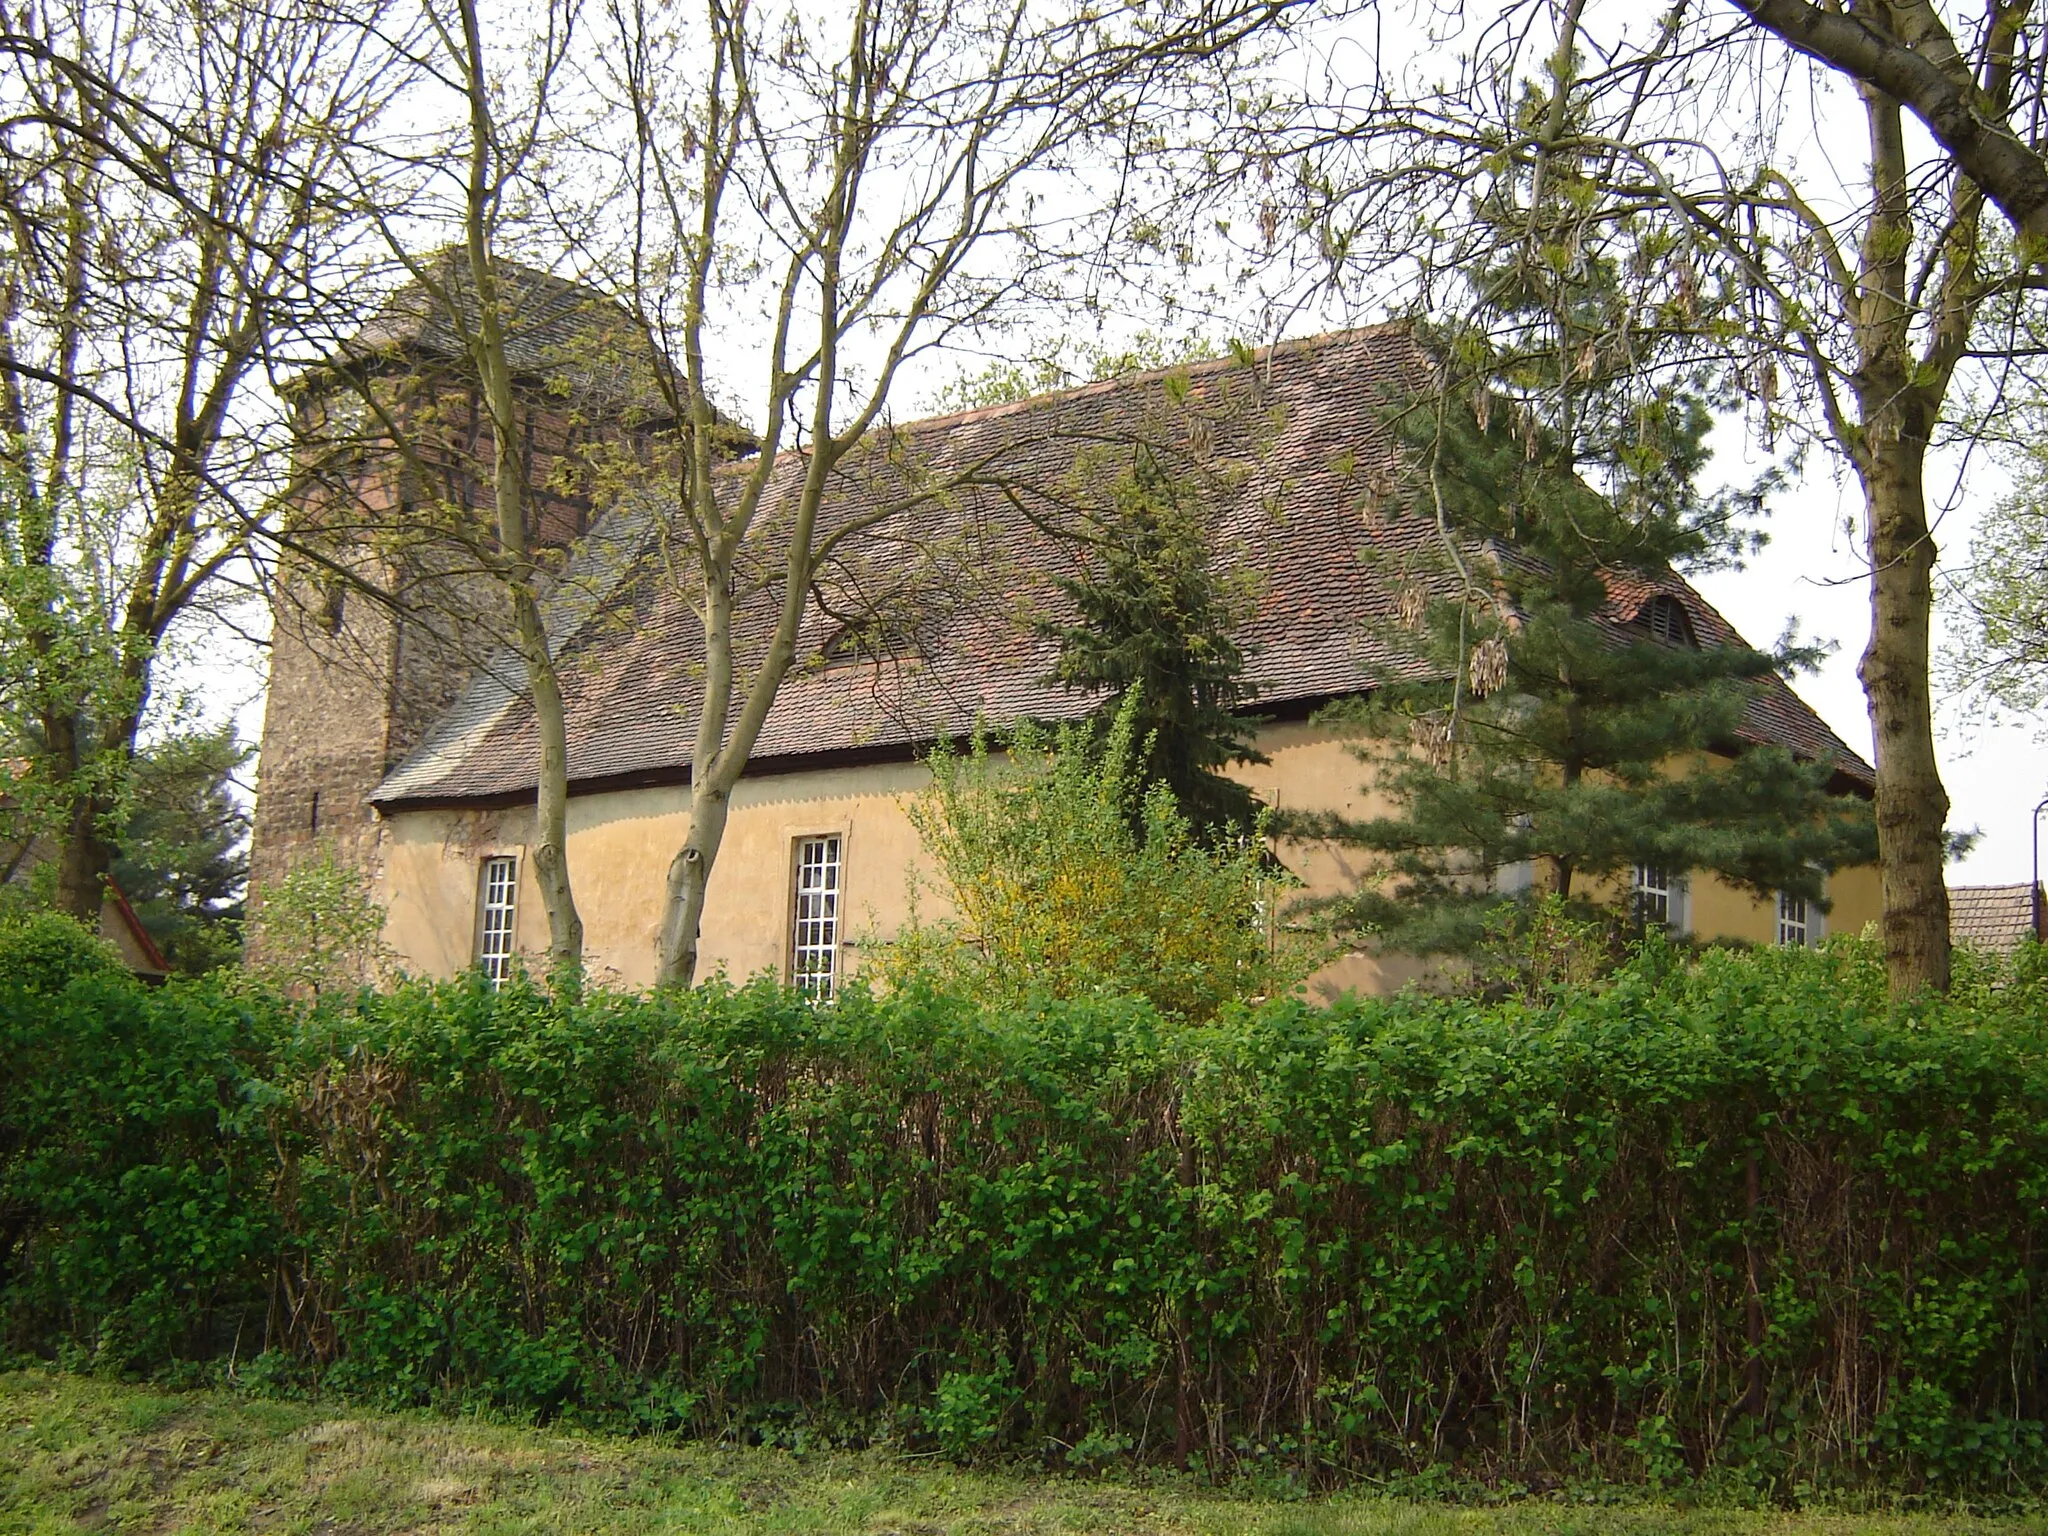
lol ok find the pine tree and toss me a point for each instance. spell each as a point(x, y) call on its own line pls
point(1560, 453)
point(182, 850)
point(1153, 621)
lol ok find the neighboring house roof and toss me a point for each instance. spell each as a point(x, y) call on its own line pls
point(1993, 918)
point(119, 923)
point(1284, 446)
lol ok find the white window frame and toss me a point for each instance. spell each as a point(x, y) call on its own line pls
point(497, 916)
point(1808, 930)
point(1792, 911)
point(1651, 886)
point(817, 882)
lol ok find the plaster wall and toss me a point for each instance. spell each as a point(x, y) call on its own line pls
point(1717, 910)
point(620, 844)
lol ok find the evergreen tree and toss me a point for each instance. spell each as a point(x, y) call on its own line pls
point(1560, 451)
point(182, 851)
point(1152, 627)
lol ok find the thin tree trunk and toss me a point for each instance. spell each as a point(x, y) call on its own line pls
point(689, 877)
point(720, 756)
point(689, 873)
point(551, 796)
point(1912, 805)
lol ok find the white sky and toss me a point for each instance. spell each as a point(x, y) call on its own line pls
point(1810, 572)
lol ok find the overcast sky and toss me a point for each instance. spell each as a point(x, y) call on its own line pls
point(1810, 572)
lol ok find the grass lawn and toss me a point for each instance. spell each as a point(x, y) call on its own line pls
point(79, 1455)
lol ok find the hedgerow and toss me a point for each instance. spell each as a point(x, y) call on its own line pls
point(1731, 1214)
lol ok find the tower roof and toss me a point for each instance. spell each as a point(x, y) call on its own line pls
point(565, 335)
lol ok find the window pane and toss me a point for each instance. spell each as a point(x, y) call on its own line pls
point(498, 896)
point(1793, 925)
point(814, 922)
point(1653, 894)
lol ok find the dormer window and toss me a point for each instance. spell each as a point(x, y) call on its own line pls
point(892, 625)
point(1665, 618)
point(882, 637)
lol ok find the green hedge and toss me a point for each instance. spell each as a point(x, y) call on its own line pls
point(1730, 1213)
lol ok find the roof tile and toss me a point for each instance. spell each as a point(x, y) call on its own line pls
point(1994, 918)
point(1281, 445)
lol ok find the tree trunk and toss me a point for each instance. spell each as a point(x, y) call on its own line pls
point(83, 862)
point(720, 755)
point(509, 488)
point(1899, 398)
point(689, 873)
point(551, 799)
point(1912, 805)
point(689, 877)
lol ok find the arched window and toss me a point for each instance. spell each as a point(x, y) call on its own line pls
point(879, 637)
point(1664, 616)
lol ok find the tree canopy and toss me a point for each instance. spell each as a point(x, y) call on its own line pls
point(1566, 716)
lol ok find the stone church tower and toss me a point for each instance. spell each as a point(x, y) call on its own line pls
point(379, 617)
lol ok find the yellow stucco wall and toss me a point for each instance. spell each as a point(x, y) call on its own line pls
point(620, 845)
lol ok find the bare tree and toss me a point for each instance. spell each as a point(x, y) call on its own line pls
point(167, 227)
point(865, 185)
point(1980, 98)
point(454, 374)
point(1845, 329)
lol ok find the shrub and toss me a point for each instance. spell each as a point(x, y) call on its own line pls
point(43, 952)
point(320, 929)
point(1730, 1213)
point(1071, 878)
point(136, 1197)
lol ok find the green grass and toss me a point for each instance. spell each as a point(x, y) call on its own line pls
point(78, 1454)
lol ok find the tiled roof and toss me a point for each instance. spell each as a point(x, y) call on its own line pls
point(1777, 715)
point(555, 329)
point(1993, 918)
point(1284, 446)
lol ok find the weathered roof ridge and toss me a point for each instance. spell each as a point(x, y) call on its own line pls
point(1190, 366)
point(975, 415)
point(1325, 621)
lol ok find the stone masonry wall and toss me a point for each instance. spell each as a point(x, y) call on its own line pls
point(355, 683)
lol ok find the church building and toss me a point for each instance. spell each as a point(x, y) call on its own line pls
point(401, 738)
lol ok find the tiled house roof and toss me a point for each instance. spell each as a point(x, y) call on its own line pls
point(1284, 448)
point(1993, 918)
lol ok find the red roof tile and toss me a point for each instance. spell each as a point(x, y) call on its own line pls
point(1993, 918)
point(1284, 445)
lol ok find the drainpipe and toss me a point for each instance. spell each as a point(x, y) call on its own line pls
point(2034, 890)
